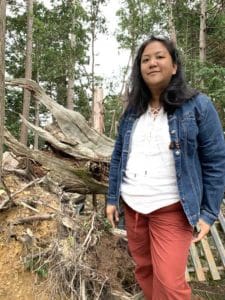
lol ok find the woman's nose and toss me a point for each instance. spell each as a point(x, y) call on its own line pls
point(152, 62)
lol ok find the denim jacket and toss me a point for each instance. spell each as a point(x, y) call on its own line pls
point(198, 147)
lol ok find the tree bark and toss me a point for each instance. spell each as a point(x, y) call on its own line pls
point(72, 135)
point(65, 174)
point(94, 12)
point(37, 111)
point(28, 71)
point(172, 29)
point(86, 171)
point(35, 218)
point(2, 79)
point(71, 70)
point(94, 27)
point(98, 120)
point(202, 33)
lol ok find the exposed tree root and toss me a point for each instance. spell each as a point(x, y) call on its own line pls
point(80, 262)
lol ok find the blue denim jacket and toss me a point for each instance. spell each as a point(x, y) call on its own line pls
point(199, 153)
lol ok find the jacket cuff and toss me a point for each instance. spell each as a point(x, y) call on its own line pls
point(207, 217)
point(112, 200)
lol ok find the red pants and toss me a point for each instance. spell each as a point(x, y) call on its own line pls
point(159, 244)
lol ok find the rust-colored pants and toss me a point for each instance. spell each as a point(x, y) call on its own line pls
point(159, 244)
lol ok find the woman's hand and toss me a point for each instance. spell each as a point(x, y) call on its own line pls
point(203, 228)
point(112, 214)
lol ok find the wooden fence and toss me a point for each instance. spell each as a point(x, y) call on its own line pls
point(207, 258)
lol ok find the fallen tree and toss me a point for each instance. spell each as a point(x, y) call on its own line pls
point(87, 170)
point(70, 132)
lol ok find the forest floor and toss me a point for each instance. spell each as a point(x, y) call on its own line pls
point(23, 278)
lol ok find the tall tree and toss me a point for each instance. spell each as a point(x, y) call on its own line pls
point(172, 29)
point(51, 54)
point(71, 75)
point(202, 32)
point(137, 20)
point(97, 25)
point(28, 71)
point(2, 79)
point(98, 120)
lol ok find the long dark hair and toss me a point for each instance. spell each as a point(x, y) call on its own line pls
point(175, 94)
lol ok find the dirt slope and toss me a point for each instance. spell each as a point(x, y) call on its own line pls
point(16, 282)
point(110, 255)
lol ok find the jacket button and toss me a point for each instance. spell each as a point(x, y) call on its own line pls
point(173, 131)
point(177, 152)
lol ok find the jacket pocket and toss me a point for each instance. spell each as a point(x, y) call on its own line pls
point(189, 134)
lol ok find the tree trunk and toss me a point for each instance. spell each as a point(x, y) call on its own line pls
point(202, 33)
point(70, 90)
point(37, 117)
point(98, 120)
point(62, 173)
point(93, 29)
point(71, 75)
point(28, 71)
point(70, 133)
point(94, 17)
point(37, 111)
point(85, 169)
point(172, 29)
point(2, 79)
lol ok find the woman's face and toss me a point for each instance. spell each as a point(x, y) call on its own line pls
point(157, 66)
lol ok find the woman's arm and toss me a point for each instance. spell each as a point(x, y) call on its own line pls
point(111, 209)
point(211, 147)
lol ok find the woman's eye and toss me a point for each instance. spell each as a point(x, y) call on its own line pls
point(159, 57)
point(144, 60)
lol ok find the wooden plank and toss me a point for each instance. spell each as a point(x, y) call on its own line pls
point(222, 221)
point(205, 269)
point(218, 243)
point(197, 263)
point(210, 259)
point(187, 276)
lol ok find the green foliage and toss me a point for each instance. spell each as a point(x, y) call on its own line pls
point(55, 55)
point(216, 36)
point(54, 58)
point(209, 78)
point(136, 22)
point(15, 44)
point(213, 77)
point(12, 109)
point(106, 225)
point(187, 24)
point(83, 102)
point(112, 113)
point(33, 266)
point(42, 272)
point(96, 19)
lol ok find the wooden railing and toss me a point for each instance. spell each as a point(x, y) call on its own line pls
point(207, 258)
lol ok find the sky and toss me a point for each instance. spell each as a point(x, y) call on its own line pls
point(109, 57)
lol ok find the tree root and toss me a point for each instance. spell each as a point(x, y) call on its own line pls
point(35, 218)
point(73, 262)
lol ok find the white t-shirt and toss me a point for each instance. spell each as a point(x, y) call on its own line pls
point(150, 179)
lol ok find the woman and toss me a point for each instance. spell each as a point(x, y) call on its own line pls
point(168, 166)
